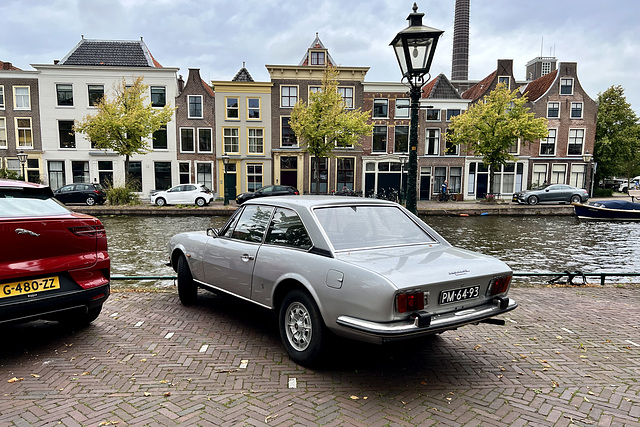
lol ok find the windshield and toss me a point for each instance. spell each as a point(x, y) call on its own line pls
point(26, 202)
point(359, 227)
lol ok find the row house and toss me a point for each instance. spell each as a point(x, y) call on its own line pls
point(20, 122)
point(243, 117)
point(70, 88)
point(291, 164)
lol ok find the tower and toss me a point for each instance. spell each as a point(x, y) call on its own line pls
point(460, 59)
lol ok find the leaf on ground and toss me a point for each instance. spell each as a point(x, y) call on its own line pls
point(15, 380)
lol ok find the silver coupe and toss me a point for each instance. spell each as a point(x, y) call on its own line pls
point(360, 268)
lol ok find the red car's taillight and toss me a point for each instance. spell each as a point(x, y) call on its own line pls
point(297, 193)
point(499, 285)
point(88, 231)
point(410, 302)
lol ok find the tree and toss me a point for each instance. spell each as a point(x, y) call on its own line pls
point(124, 123)
point(493, 125)
point(324, 124)
point(617, 146)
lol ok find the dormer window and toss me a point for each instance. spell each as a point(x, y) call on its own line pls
point(317, 58)
point(566, 86)
point(505, 80)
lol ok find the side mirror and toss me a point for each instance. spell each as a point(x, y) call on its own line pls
point(213, 232)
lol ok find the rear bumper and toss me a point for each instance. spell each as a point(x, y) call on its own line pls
point(424, 324)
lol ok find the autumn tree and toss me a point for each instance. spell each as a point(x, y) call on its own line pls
point(324, 123)
point(492, 126)
point(124, 124)
point(617, 146)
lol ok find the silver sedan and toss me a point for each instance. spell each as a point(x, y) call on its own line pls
point(360, 268)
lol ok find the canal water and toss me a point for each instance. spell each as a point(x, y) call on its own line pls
point(138, 244)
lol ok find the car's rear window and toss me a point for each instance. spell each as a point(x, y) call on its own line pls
point(21, 202)
point(358, 227)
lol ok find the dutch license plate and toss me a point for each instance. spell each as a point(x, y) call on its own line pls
point(25, 287)
point(461, 294)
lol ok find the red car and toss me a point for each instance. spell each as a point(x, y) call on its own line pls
point(54, 263)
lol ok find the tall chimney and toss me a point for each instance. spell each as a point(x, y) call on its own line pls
point(460, 59)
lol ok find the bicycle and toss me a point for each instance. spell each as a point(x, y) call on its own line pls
point(447, 197)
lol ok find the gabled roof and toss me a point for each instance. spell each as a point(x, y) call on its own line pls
point(478, 90)
point(440, 88)
point(8, 66)
point(317, 44)
point(242, 75)
point(119, 53)
point(540, 86)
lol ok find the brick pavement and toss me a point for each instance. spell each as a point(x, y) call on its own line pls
point(567, 356)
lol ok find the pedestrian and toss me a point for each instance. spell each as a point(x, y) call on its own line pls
point(443, 193)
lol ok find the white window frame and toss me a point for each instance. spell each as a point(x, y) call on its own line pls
point(558, 173)
point(581, 104)
point(545, 141)
point(380, 101)
point(58, 98)
point(248, 174)
point(89, 94)
point(578, 178)
point(193, 139)
point(209, 184)
point(437, 110)
point(211, 141)
point(249, 137)
point(164, 89)
point(347, 98)
point(548, 108)
point(404, 112)
point(539, 170)
point(501, 79)
point(24, 98)
point(235, 137)
point(189, 116)
point(3, 133)
point(2, 98)
point(575, 138)
point(565, 80)
point(291, 99)
point(18, 129)
point(436, 144)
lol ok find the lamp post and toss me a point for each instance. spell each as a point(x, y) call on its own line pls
point(588, 158)
point(225, 161)
point(403, 161)
point(414, 48)
point(22, 157)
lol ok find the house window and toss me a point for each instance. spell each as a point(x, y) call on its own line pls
point(184, 172)
point(2, 97)
point(433, 115)
point(432, 147)
point(347, 96)
point(402, 108)
point(105, 173)
point(455, 179)
point(254, 176)
point(401, 142)
point(135, 175)
point(56, 174)
point(505, 80)
point(159, 140)
point(233, 110)
point(231, 140)
point(546, 68)
point(21, 98)
point(24, 133)
point(253, 108)
point(314, 89)
point(80, 172)
point(288, 137)
point(515, 147)
point(195, 106)
point(322, 172)
point(205, 140)
point(548, 144)
point(344, 173)
point(576, 138)
point(204, 174)
point(380, 108)
point(440, 174)
point(288, 96)
point(539, 175)
point(576, 110)
point(558, 174)
point(450, 149)
point(66, 133)
point(96, 92)
point(187, 140)
point(452, 113)
point(379, 139)
point(553, 110)
point(3, 132)
point(158, 96)
point(566, 86)
point(578, 175)
point(256, 141)
point(162, 175)
point(317, 58)
point(65, 95)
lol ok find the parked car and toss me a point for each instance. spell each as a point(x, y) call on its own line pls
point(552, 193)
point(361, 268)
point(634, 183)
point(183, 194)
point(267, 190)
point(81, 193)
point(54, 263)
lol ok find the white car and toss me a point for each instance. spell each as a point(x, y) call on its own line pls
point(633, 182)
point(183, 194)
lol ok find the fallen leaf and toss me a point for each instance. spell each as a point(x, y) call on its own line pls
point(15, 380)
point(35, 375)
point(147, 394)
point(167, 394)
point(354, 398)
point(143, 360)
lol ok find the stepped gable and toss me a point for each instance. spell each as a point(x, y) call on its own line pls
point(116, 53)
point(478, 90)
point(535, 89)
point(440, 88)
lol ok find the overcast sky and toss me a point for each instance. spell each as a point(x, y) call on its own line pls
point(217, 36)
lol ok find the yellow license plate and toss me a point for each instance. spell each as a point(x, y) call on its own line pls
point(29, 286)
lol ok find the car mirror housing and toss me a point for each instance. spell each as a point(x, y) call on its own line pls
point(213, 232)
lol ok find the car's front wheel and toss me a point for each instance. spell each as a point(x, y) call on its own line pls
point(533, 200)
point(160, 201)
point(187, 288)
point(302, 329)
point(200, 202)
point(90, 201)
point(575, 199)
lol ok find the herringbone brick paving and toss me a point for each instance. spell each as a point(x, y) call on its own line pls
point(567, 356)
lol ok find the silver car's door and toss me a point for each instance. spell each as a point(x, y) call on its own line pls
point(229, 259)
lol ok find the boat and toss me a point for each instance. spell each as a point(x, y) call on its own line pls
point(620, 210)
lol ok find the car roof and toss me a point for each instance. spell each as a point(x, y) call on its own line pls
point(12, 183)
point(310, 201)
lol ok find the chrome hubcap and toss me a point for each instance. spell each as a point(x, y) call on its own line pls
point(298, 326)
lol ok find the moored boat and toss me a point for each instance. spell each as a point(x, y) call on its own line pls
point(620, 210)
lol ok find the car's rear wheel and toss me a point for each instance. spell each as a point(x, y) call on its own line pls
point(187, 288)
point(90, 201)
point(533, 200)
point(200, 202)
point(302, 329)
point(575, 199)
point(160, 201)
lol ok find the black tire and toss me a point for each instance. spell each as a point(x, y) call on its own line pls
point(575, 199)
point(200, 202)
point(302, 329)
point(90, 201)
point(160, 201)
point(533, 200)
point(187, 288)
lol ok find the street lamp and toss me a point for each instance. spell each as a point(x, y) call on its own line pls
point(403, 161)
point(22, 157)
point(588, 158)
point(414, 47)
point(225, 161)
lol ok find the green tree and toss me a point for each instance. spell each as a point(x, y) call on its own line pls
point(324, 123)
point(124, 123)
point(492, 126)
point(617, 146)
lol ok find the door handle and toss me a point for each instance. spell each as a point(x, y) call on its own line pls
point(247, 258)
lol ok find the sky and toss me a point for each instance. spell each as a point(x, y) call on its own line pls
point(218, 36)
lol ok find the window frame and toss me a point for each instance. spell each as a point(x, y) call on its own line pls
point(501, 79)
point(395, 139)
point(290, 135)
point(4, 142)
point(450, 113)
point(549, 109)
point(580, 110)
point(249, 137)
point(253, 186)
point(72, 136)
point(405, 111)
point(26, 97)
point(438, 113)
point(200, 131)
point(347, 99)
point(383, 103)
point(231, 145)
point(59, 91)
point(582, 141)
point(315, 56)
point(191, 113)
point(183, 133)
point(92, 98)
point(163, 129)
point(2, 98)
point(18, 129)
point(291, 99)
point(563, 85)
point(436, 141)
point(250, 109)
point(545, 141)
point(228, 109)
point(164, 96)
point(385, 139)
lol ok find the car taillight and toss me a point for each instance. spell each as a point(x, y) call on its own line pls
point(410, 302)
point(88, 231)
point(297, 193)
point(499, 285)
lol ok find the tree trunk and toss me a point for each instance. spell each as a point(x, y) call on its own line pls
point(126, 170)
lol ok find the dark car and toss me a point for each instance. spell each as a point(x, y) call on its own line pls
point(552, 193)
point(54, 263)
point(267, 190)
point(81, 193)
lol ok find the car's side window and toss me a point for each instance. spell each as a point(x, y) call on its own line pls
point(286, 229)
point(227, 230)
point(252, 224)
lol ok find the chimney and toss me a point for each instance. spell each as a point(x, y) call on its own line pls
point(6, 65)
point(460, 59)
point(180, 84)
